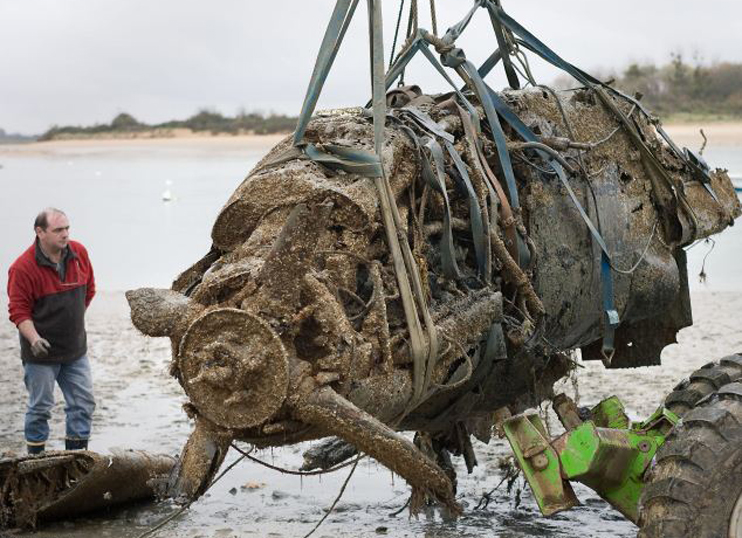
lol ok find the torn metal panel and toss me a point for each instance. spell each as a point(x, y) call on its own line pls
point(63, 485)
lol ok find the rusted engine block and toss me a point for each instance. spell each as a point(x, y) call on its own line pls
point(292, 328)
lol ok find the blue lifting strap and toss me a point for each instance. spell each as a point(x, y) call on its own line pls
point(610, 313)
point(476, 222)
point(355, 161)
point(502, 45)
point(436, 178)
point(538, 47)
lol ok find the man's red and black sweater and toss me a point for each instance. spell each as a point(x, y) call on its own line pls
point(54, 298)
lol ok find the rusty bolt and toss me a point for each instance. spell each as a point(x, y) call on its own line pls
point(645, 446)
point(540, 462)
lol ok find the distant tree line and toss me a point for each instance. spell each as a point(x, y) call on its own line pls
point(678, 87)
point(203, 121)
point(681, 87)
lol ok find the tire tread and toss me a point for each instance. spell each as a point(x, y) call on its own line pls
point(671, 503)
point(703, 382)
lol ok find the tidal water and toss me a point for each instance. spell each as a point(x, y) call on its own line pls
point(113, 195)
point(114, 199)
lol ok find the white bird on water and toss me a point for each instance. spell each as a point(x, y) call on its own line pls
point(167, 196)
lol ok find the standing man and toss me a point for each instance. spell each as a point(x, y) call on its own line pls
point(49, 288)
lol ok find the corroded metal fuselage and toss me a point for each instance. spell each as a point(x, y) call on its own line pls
point(293, 326)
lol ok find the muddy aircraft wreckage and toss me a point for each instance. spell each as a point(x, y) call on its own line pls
point(428, 263)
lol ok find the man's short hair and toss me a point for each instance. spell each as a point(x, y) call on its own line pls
point(42, 219)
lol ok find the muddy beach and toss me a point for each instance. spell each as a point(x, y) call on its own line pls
point(139, 407)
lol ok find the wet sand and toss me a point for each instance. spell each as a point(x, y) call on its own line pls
point(718, 133)
point(199, 141)
point(139, 407)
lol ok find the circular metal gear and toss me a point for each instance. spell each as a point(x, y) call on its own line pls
point(234, 368)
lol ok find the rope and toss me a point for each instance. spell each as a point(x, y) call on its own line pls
point(522, 73)
point(337, 499)
point(516, 52)
point(397, 512)
point(702, 275)
point(441, 46)
point(433, 17)
point(412, 21)
point(172, 516)
point(290, 471)
point(396, 34)
point(546, 149)
point(643, 255)
point(411, 32)
point(523, 60)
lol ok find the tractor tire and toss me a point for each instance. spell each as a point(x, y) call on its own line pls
point(695, 487)
point(702, 382)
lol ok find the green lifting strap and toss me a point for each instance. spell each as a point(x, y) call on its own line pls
point(424, 352)
point(336, 29)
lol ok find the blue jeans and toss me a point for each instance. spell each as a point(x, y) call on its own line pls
point(77, 387)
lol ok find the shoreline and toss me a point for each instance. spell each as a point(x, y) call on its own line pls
point(251, 141)
point(719, 132)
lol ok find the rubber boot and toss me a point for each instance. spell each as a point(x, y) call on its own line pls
point(35, 449)
point(75, 444)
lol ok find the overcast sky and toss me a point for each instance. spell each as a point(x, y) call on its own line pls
point(83, 61)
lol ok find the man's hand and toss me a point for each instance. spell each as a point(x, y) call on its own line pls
point(40, 348)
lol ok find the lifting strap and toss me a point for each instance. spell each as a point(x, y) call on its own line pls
point(336, 29)
point(414, 302)
point(668, 193)
point(436, 178)
point(503, 46)
point(610, 314)
point(424, 350)
point(424, 353)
